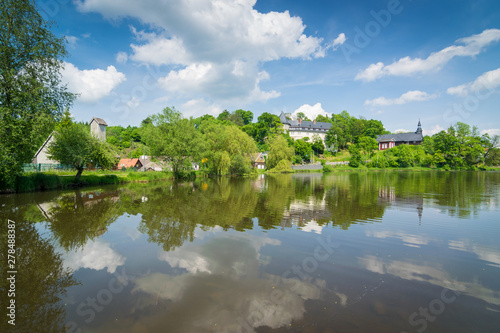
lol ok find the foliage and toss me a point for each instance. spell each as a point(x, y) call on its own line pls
point(279, 150)
point(459, 147)
point(367, 145)
point(246, 116)
point(493, 157)
point(174, 139)
point(327, 168)
point(317, 146)
point(303, 149)
point(296, 159)
point(347, 129)
point(302, 116)
point(239, 165)
point(267, 124)
point(355, 160)
point(31, 95)
point(283, 166)
point(74, 145)
point(223, 144)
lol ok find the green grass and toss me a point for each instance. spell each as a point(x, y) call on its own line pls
point(343, 155)
point(42, 181)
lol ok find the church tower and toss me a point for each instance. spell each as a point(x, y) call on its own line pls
point(419, 128)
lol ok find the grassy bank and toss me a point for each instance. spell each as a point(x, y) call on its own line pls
point(42, 181)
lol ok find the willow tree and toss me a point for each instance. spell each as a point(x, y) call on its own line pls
point(32, 97)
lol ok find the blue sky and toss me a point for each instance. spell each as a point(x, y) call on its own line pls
point(395, 61)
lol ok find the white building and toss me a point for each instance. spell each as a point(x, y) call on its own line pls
point(298, 129)
point(42, 154)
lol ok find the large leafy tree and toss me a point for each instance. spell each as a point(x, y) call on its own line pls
point(247, 116)
point(31, 95)
point(459, 147)
point(303, 149)
point(74, 145)
point(174, 139)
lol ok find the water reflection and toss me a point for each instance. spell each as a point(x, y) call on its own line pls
point(40, 283)
point(211, 255)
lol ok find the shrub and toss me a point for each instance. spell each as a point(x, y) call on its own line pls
point(283, 166)
point(327, 168)
point(297, 159)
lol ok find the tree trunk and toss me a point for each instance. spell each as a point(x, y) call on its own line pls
point(78, 174)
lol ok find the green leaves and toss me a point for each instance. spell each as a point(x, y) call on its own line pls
point(279, 150)
point(74, 145)
point(174, 139)
point(31, 94)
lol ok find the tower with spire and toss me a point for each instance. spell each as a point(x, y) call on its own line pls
point(419, 128)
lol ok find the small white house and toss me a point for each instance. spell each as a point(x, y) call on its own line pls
point(42, 155)
point(97, 129)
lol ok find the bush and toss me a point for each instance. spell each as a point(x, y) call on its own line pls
point(355, 160)
point(327, 168)
point(297, 159)
point(283, 166)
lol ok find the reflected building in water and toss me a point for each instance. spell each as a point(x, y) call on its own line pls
point(388, 194)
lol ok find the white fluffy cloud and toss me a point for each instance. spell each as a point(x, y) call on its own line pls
point(491, 131)
point(199, 107)
point(220, 45)
point(95, 255)
point(91, 84)
point(435, 129)
point(486, 82)
point(121, 57)
point(339, 41)
point(311, 111)
point(464, 47)
point(410, 96)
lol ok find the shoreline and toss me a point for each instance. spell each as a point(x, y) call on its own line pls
point(39, 182)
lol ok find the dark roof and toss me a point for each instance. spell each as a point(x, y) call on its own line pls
point(100, 121)
point(305, 125)
point(401, 137)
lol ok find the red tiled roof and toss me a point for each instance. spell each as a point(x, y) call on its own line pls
point(128, 162)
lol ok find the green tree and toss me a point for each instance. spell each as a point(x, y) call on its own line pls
point(223, 115)
point(323, 119)
point(355, 160)
point(303, 149)
point(331, 140)
point(460, 147)
point(373, 128)
point(368, 145)
point(279, 150)
point(302, 116)
point(317, 146)
point(247, 116)
point(230, 139)
point(75, 146)
point(31, 95)
point(174, 139)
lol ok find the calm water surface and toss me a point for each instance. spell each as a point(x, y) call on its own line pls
point(346, 252)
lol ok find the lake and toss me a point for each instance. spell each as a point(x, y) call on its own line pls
point(344, 252)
